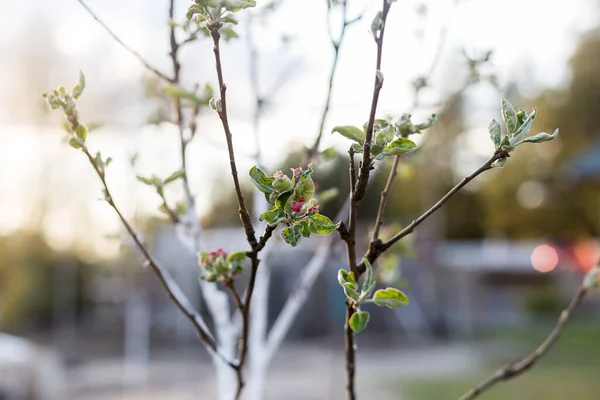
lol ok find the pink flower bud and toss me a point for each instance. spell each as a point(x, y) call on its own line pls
point(313, 210)
point(296, 206)
point(301, 199)
point(278, 175)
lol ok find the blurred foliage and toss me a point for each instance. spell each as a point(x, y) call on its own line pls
point(28, 268)
point(569, 209)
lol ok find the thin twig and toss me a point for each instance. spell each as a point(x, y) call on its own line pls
point(377, 247)
point(124, 45)
point(244, 215)
point(357, 192)
point(234, 294)
point(163, 275)
point(363, 177)
point(514, 369)
point(336, 44)
point(384, 198)
point(255, 245)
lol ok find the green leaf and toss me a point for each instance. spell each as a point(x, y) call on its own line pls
point(359, 320)
point(499, 163)
point(174, 176)
point(509, 116)
point(237, 257)
point(261, 181)
point(390, 297)
point(78, 89)
point(398, 147)
point(495, 133)
point(346, 277)
point(376, 149)
point(81, 132)
point(329, 153)
point(145, 180)
point(304, 228)
point(524, 129)
point(196, 9)
point(350, 132)
point(385, 135)
point(283, 184)
point(178, 91)
point(76, 143)
point(368, 274)
point(236, 5)
point(272, 216)
point(357, 148)
point(305, 188)
point(321, 225)
point(432, 120)
point(350, 292)
point(228, 33)
point(540, 137)
point(291, 236)
point(521, 117)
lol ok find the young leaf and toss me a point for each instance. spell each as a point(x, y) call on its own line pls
point(398, 147)
point(305, 188)
point(432, 119)
point(390, 297)
point(174, 176)
point(523, 130)
point(261, 181)
point(350, 292)
point(76, 143)
point(144, 180)
point(291, 236)
point(237, 257)
point(509, 116)
point(272, 216)
point(304, 228)
point(495, 133)
point(350, 132)
point(540, 137)
point(321, 225)
point(344, 277)
point(359, 320)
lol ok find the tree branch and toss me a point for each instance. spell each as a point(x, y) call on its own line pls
point(163, 275)
point(244, 215)
point(514, 369)
point(124, 45)
point(377, 247)
point(255, 245)
point(363, 177)
point(384, 197)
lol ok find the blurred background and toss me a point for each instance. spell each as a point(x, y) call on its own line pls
point(487, 275)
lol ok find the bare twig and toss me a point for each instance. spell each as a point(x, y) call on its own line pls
point(244, 215)
point(363, 177)
point(124, 45)
point(336, 44)
point(357, 192)
point(514, 369)
point(163, 275)
point(255, 245)
point(377, 247)
point(384, 197)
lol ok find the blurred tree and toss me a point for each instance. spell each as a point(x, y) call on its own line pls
point(536, 195)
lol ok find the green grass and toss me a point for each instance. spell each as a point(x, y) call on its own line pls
point(571, 370)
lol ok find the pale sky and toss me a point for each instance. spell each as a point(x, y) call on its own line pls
point(528, 36)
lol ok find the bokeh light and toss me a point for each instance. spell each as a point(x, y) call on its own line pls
point(544, 258)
